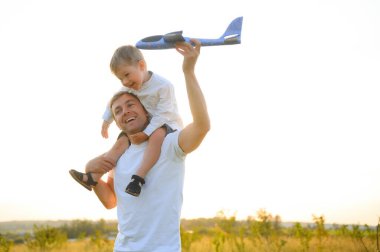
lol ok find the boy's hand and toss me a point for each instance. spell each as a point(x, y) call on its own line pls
point(138, 138)
point(105, 127)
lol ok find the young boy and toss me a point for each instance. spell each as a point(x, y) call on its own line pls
point(158, 97)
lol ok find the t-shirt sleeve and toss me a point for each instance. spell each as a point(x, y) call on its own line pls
point(174, 145)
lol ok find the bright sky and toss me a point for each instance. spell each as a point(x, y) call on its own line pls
point(294, 108)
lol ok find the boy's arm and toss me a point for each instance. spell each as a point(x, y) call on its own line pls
point(193, 134)
point(107, 115)
point(105, 127)
point(107, 120)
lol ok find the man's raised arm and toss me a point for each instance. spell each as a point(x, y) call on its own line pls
point(193, 134)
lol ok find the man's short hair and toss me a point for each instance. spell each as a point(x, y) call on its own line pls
point(121, 93)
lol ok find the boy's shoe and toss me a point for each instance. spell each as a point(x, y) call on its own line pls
point(134, 187)
point(78, 176)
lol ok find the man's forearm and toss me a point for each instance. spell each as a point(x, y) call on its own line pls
point(100, 164)
point(194, 133)
point(197, 102)
point(106, 194)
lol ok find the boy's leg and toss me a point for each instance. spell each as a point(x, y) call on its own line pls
point(151, 155)
point(89, 180)
point(122, 143)
point(119, 147)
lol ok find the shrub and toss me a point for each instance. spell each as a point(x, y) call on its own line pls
point(5, 245)
point(45, 238)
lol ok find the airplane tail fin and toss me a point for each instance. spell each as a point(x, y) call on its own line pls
point(233, 33)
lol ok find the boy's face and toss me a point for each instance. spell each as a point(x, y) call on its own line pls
point(130, 116)
point(132, 76)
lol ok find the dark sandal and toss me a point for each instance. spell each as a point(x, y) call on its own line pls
point(78, 176)
point(134, 187)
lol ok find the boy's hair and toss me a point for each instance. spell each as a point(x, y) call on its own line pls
point(125, 55)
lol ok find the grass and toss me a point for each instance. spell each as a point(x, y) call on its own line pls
point(205, 244)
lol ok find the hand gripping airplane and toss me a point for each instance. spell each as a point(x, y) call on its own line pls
point(231, 36)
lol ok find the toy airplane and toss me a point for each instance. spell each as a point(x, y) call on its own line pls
point(231, 36)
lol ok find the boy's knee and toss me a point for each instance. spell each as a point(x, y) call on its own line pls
point(122, 134)
point(123, 137)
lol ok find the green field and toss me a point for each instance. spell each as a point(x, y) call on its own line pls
point(220, 234)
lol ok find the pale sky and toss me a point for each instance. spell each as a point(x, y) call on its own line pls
point(294, 108)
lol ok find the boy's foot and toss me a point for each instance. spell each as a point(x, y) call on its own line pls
point(85, 179)
point(134, 187)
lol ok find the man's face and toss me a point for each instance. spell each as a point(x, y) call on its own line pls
point(130, 116)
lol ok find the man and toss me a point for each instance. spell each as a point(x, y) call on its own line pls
point(151, 221)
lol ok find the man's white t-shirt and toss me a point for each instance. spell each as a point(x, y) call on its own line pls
point(150, 222)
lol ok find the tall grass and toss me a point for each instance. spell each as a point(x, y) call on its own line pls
point(206, 244)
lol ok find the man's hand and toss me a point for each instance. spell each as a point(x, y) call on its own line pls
point(138, 138)
point(190, 54)
point(100, 164)
point(105, 127)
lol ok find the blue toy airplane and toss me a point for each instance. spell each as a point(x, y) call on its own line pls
point(231, 36)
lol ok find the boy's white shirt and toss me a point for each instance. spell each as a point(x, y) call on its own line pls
point(151, 221)
point(158, 97)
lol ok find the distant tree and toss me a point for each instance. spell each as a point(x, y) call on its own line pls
point(78, 228)
point(86, 228)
